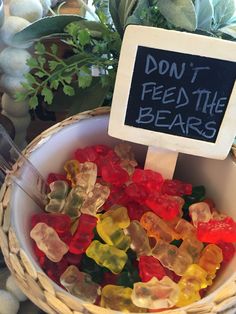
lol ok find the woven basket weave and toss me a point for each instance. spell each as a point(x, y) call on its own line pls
point(39, 288)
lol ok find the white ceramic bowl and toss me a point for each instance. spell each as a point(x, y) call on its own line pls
point(219, 177)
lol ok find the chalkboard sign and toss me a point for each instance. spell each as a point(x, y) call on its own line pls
point(179, 93)
point(176, 90)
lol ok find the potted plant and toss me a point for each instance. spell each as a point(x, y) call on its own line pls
point(83, 76)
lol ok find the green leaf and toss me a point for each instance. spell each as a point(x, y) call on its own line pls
point(136, 17)
point(84, 79)
point(30, 78)
point(40, 48)
point(32, 63)
point(96, 29)
point(113, 8)
point(46, 27)
point(67, 79)
point(229, 30)
point(68, 90)
point(48, 95)
point(223, 11)
point(54, 49)
point(125, 9)
point(33, 102)
point(20, 96)
point(40, 74)
point(84, 37)
point(54, 84)
point(180, 13)
point(27, 86)
point(205, 13)
point(52, 65)
point(41, 61)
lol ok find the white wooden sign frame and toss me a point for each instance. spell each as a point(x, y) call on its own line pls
point(177, 42)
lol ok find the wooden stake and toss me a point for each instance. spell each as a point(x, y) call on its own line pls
point(161, 160)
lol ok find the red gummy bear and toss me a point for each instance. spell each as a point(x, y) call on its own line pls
point(83, 235)
point(136, 192)
point(117, 196)
point(165, 206)
point(109, 279)
point(176, 187)
point(72, 259)
point(91, 153)
point(55, 270)
point(59, 222)
point(215, 231)
point(99, 154)
point(150, 267)
point(135, 210)
point(114, 174)
point(151, 180)
point(228, 250)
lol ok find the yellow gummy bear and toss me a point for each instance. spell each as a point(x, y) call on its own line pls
point(107, 256)
point(193, 280)
point(118, 298)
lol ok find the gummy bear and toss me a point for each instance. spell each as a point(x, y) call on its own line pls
point(214, 231)
point(118, 298)
point(150, 267)
point(89, 266)
point(87, 176)
point(59, 222)
point(119, 216)
point(127, 278)
point(136, 192)
point(193, 280)
point(107, 256)
point(228, 250)
point(185, 229)
point(111, 234)
point(72, 169)
point(139, 239)
point(172, 257)
point(193, 247)
point(176, 187)
point(126, 155)
point(57, 196)
point(95, 199)
point(49, 242)
point(74, 202)
point(200, 212)
point(54, 270)
point(83, 175)
point(210, 260)
point(155, 294)
point(114, 174)
point(157, 228)
point(117, 196)
point(83, 235)
point(149, 179)
point(166, 206)
point(135, 210)
point(80, 284)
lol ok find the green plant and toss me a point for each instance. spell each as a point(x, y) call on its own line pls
point(94, 46)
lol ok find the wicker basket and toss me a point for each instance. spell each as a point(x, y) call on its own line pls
point(46, 294)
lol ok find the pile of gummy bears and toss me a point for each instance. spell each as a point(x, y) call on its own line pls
point(127, 239)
